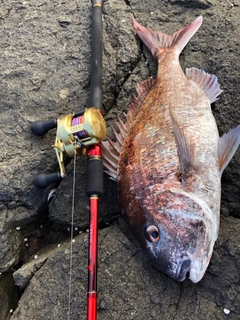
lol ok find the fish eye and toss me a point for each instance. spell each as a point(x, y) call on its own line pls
point(152, 233)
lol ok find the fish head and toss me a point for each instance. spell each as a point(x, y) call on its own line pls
point(179, 236)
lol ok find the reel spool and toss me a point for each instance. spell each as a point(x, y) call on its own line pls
point(75, 133)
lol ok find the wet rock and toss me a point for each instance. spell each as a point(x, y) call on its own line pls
point(45, 56)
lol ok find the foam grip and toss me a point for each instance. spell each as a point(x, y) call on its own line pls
point(95, 99)
point(94, 183)
point(43, 180)
point(39, 128)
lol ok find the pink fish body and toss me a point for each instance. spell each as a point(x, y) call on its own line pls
point(168, 160)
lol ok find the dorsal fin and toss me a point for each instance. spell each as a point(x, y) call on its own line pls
point(207, 82)
point(111, 149)
point(227, 146)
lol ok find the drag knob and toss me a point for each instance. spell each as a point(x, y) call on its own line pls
point(43, 180)
point(39, 128)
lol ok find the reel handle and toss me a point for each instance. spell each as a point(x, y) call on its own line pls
point(43, 180)
point(39, 128)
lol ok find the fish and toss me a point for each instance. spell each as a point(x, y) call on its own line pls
point(168, 159)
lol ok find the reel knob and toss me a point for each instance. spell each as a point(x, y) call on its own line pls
point(39, 128)
point(43, 180)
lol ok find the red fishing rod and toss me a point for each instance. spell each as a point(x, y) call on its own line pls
point(94, 163)
point(81, 133)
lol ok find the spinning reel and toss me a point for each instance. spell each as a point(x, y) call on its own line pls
point(75, 133)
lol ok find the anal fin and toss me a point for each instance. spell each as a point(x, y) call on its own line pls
point(207, 82)
point(227, 146)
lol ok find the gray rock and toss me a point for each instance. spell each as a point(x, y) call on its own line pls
point(44, 70)
point(8, 296)
point(128, 287)
point(24, 274)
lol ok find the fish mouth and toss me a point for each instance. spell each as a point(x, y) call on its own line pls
point(183, 269)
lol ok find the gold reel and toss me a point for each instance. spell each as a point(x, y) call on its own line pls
point(90, 129)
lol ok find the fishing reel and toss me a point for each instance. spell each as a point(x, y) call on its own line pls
point(75, 133)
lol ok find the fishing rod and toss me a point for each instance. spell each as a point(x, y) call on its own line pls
point(94, 164)
point(81, 133)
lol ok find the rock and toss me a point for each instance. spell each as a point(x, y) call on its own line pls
point(8, 296)
point(61, 205)
point(24, 274)
point(11, 240)
point(128, 287)
point(45, 56)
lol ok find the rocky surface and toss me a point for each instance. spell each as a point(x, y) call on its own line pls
point(44, 70)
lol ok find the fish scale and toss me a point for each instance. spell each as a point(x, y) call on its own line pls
point(168, 160)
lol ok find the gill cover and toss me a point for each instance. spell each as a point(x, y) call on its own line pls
point(180, 239)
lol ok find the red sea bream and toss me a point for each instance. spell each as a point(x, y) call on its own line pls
point(168, 159)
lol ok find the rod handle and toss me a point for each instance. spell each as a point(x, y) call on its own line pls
point(43, 180)
point(96, 56)
point(39, 128)
point(94, 183)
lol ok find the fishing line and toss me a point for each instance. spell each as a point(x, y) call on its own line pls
point(71, 237)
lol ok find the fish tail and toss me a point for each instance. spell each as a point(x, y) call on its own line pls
point(157, 42)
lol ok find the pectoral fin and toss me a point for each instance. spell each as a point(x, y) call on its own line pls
point(185, 150)
point(227, 146)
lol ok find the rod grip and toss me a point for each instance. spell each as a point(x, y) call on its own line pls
point(94, 184)
point(96, 57)
point(43, 180)
point(39, 128)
